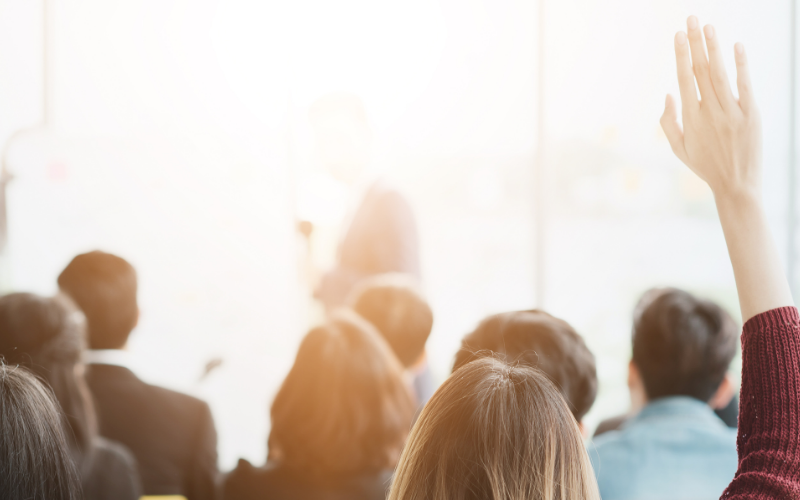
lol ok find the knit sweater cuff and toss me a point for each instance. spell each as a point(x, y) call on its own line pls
point(771, 319)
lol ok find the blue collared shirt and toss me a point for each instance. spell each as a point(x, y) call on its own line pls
point(676, 448)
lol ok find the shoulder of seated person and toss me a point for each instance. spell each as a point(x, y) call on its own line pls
point(178, 397)
point(111, 453)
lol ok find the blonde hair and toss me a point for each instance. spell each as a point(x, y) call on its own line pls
point(495, 431)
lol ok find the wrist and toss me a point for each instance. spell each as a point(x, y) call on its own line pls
point(738, 202)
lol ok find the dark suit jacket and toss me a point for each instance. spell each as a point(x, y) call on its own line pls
point(110, 473)
point(171, 434)
point(275, 482)
point(382, 238)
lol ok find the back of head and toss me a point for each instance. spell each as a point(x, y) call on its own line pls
point(682, 345)
point(46, 335)
point(393, 303)
point(539, 340)
point(344, 407)
point(34, 457)
point(495, 431)
point(104, 287)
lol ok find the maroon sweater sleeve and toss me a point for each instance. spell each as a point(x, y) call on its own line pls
point(769, 412)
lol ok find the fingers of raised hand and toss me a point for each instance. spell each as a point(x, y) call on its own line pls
point(685, 74)
point(719, 77)
point(669, 123)
point(746, 99)
point(699, 61)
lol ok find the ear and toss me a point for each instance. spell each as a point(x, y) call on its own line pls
point(634, 379)
point(636, 388)
point(724, 393)
point(584, 431)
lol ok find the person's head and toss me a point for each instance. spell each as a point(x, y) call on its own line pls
point(682, 345)
point(34, 456)
point(537, 339)
point(394, 305)
point(344, 406)
point(495, 430)
point(343, 136)
point(46, 335)
point(104, 287)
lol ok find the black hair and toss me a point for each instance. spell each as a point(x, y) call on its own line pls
point(104, 286)
point(682, 345)
point(35, 462)
point(537, 339)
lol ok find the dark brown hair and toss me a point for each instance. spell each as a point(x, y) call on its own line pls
point(495, 431)
point(104, 287)
point(34, 456)
point(394, 304)
point(682, 345)
point(46, 335)
point(537, 339)
point(344, 407)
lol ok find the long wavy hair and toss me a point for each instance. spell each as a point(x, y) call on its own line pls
point(495, 431)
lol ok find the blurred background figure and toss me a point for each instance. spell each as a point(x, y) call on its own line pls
point(675, 447)
point(33, 450)
point(46, 335)
point(339, 421)
point(539, 340)
point(381, 231)
point(394, 304)
point(171, 434)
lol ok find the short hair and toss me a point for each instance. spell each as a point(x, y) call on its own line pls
point(46, 335)
point(394, 305)
point(682, 345)
point(104, 287)
point(344, 406)
point(339, 104)
point(35, 460)
point(495, 430)
point(537, 339)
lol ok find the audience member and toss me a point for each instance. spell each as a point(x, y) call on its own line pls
point(495, 430)
point(35, 460)
point(394, 304)
point(172, 435)
point(676, 447)
point(339, 420)
point(725, 402)
point(381, 230)
point(46, 335)
point(539, 340)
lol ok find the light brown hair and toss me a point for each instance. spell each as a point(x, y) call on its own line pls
point(344, 407)
point(393, 303)
point(495, 431)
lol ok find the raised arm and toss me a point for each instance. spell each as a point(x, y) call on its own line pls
point(721, 143)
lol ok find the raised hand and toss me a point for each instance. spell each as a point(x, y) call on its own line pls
point(721, 136)
point(721, 142)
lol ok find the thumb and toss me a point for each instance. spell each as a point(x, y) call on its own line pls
point(669, 123)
